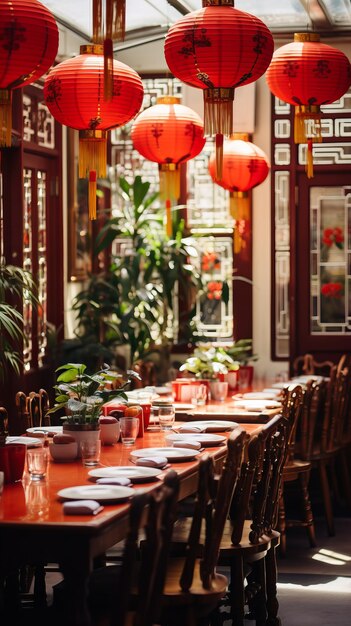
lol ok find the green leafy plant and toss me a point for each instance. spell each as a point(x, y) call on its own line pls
point(208, 362)
point(83, 394)
point(132, 303)
point(241, 351)
point(15, 283)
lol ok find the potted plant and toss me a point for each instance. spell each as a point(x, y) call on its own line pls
point(82, 396)
point(208, 364)
point(241, 352)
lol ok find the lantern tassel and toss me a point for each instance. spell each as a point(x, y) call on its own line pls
point(169, 181)
point(98, 30)
point(92, 195)
point(240, 209)
point(218, 112)
point(5, 117)
point(92, 153)
point(219, 156)
point(169, 229)
point(309, 159)
point(108, 70)
point(116, 19)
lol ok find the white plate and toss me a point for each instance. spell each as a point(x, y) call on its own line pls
point(172, 454)
point(258, 395)
point(51, 430)
point(180, 406)
point(256, 405)
point(136, 474)
point(27, 441)
point(206, 439)
point(101, 493)
point(210, 426)
point(163, 391)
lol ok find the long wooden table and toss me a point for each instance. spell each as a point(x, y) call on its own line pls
point(37, 531)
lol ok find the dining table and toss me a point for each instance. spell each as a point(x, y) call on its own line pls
point(35, 530)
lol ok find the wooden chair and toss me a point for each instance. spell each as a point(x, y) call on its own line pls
point(306, 364)
point(31, 411)
point(323, 429)
point(295, 469)
point(130, 592)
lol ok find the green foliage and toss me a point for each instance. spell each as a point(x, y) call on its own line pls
point(208, 362)
point(132, 302)
point(83, 394)
point(241, 351)
point(14, 284)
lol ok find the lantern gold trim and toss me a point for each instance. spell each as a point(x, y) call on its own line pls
point(5, 117)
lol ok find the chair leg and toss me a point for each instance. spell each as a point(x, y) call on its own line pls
point(308, 515)
point(237, 593)
point(259, 599)
point(345, 473)
point(271, 589)
point(328, 509)
point(335, 483)
point(282, 524)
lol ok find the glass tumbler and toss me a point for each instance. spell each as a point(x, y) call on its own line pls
point(166, 416)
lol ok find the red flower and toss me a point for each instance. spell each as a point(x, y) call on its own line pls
point(333, 235)
point(210, 262)
point(332, 290)
point(214, 290)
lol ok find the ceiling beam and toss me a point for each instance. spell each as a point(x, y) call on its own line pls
point(314, 9)
point(180, 6)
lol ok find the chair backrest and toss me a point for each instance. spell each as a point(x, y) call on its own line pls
point(306, 364)
point(292, 412)
point(257, 492)
point(158, 526)
point(31, 410)
point(3, 425)
point(212, 505)
point(313, 422)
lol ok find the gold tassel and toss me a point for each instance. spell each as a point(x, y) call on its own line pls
point(219, 157)
point(92, 152)
point(5, 117)
point(169, 229)
point(98, 27)
point(92, 195)
point(218, 112)
point(108, 70)
point(169, 175)
point(115, 19)
point(240, 209)
point(309, 159)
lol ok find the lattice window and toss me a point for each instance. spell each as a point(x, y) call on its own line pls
point(335, 150)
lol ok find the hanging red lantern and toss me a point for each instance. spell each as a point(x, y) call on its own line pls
point(169, 134)
point(217, 49)
point(28, 47)
point(245, 166)
point(74, 93)
point(308, 74)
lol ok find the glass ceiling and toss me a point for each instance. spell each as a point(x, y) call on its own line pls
point(280, 16)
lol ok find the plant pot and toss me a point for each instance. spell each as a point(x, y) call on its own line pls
point(82, 432)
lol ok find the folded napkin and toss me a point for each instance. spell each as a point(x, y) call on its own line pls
point(153, 461)
point(193, 444)
point(82, 507)
point(191, 429)
point(122, 481)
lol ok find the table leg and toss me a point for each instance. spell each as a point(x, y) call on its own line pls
point(76, 574)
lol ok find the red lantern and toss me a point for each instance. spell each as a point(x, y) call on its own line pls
point(74, 93)
point(308, 74)
point(217, 49)
point(28, 47)
point(244, 166)
point(168, 133)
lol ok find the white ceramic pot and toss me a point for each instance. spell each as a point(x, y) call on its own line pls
point(82, 432)
point(109, 433)
point(64, 451)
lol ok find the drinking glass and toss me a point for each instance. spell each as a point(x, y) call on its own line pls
point(166, 416)
point(199, 395)
point(129, 430)
point(219, 391)
point(37, 463)
point(90, 452)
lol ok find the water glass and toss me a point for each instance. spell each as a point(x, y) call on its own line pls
point(166, 416)
point(37, 463)
point(219, 391)
point(129, 430)
point(90, 452)
point(199, 395)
